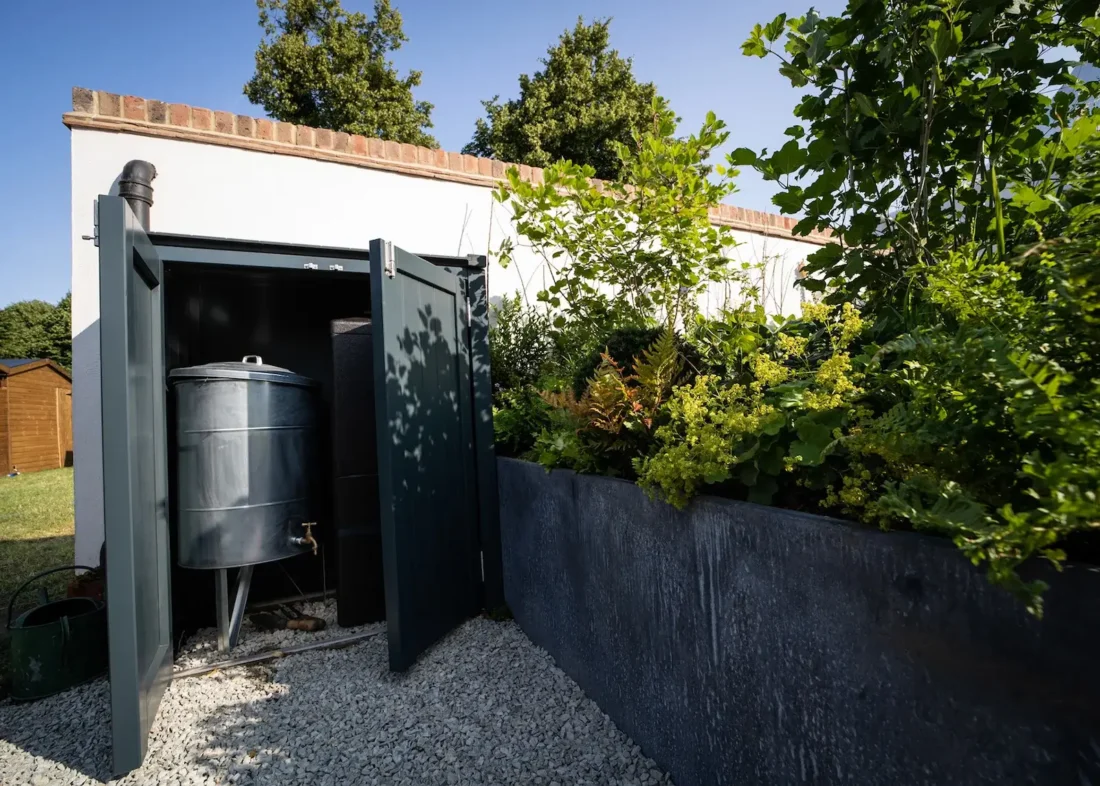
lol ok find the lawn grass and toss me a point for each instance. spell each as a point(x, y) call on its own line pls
point(36, 533)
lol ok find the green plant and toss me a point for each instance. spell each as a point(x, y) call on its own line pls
point(616, 417)
point(584, 101)
point(625, 344)
point(992, 435)
point(915, 117)
point(954, 162)
point(521, 348)
point(621, 345)
point(634, 250)
point(700, 446)
point(519, 416)
point(319, 65)
point(725, 342)
point(771, 425)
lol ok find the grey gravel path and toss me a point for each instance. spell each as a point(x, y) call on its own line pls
point(202, 648)
point(484, 706)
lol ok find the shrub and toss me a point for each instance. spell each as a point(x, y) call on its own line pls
point(634, 250)
point(989, 430)
point(519, 416)
point(782, 416)
point(520, 346)
point(621, 346)
point(614, 420)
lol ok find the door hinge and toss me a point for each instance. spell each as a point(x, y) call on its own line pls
point(389, 264)
point(469, 321)
point(310, 266)
point(482, 565)
point(337, 268)
point(95, 222)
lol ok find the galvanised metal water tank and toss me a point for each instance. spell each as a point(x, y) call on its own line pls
point(247, 450)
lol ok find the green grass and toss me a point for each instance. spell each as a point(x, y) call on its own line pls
point(36, 533)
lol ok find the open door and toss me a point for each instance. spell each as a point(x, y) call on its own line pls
point(135, 488)
point(425, 450)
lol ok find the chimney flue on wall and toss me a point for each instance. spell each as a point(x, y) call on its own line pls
point(135, 185)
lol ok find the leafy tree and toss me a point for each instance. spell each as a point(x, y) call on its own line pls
point(37, 329)
point(583, 101)
point(636, 249)
point(319, 65)
point(59, 332)
point(915, 117)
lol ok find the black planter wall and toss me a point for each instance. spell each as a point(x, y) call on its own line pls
point(739, 644)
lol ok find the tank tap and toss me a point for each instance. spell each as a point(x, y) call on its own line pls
point(308, 539)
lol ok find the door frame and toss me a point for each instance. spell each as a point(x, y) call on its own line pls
point(473, 268)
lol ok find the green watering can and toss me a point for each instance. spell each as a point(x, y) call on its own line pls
point(56, 645)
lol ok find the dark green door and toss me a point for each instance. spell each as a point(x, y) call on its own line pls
point(425, 450)
point(135, 489)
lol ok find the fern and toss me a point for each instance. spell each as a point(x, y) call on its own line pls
point(610, 398)
point(1046, 375)
point(655, 371)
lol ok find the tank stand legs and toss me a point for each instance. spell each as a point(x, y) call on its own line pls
point(229, 626)
point(221, 593)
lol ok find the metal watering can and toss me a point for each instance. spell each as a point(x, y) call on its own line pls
point(56, 645)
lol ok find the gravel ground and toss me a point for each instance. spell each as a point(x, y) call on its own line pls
point(483, 706)
point(202, 648)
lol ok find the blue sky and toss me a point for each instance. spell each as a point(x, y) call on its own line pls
point(201, 52)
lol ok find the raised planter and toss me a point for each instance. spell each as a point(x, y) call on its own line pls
point(744, 644)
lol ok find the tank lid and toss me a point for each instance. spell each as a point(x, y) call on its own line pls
point(248, 367)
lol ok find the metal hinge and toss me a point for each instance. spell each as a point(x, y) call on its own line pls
point(336, 267)
point(483, 566)
point(310, 266)
point(389, 264)
point(469, 321)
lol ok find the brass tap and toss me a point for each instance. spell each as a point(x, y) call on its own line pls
point(308, 540)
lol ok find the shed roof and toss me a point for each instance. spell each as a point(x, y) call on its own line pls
point(11, 366)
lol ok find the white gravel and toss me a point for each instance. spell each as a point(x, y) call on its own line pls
point(202, 648)
point(483, 706)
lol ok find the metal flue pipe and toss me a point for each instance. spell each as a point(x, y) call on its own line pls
point(135, 185)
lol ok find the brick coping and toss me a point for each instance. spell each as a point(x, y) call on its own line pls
point(102, 111)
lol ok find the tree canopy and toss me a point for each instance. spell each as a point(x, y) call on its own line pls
point(583, 101)
point(319, 65)
point(37, 329)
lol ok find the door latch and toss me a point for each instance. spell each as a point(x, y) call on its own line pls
point(389, 264)
point(95, 224)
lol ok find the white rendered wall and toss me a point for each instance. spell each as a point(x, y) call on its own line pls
point(220, 191)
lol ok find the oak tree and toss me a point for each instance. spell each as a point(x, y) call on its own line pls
point(319, 65)
point(583, 101)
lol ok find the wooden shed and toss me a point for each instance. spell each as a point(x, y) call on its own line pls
point(36, 415)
